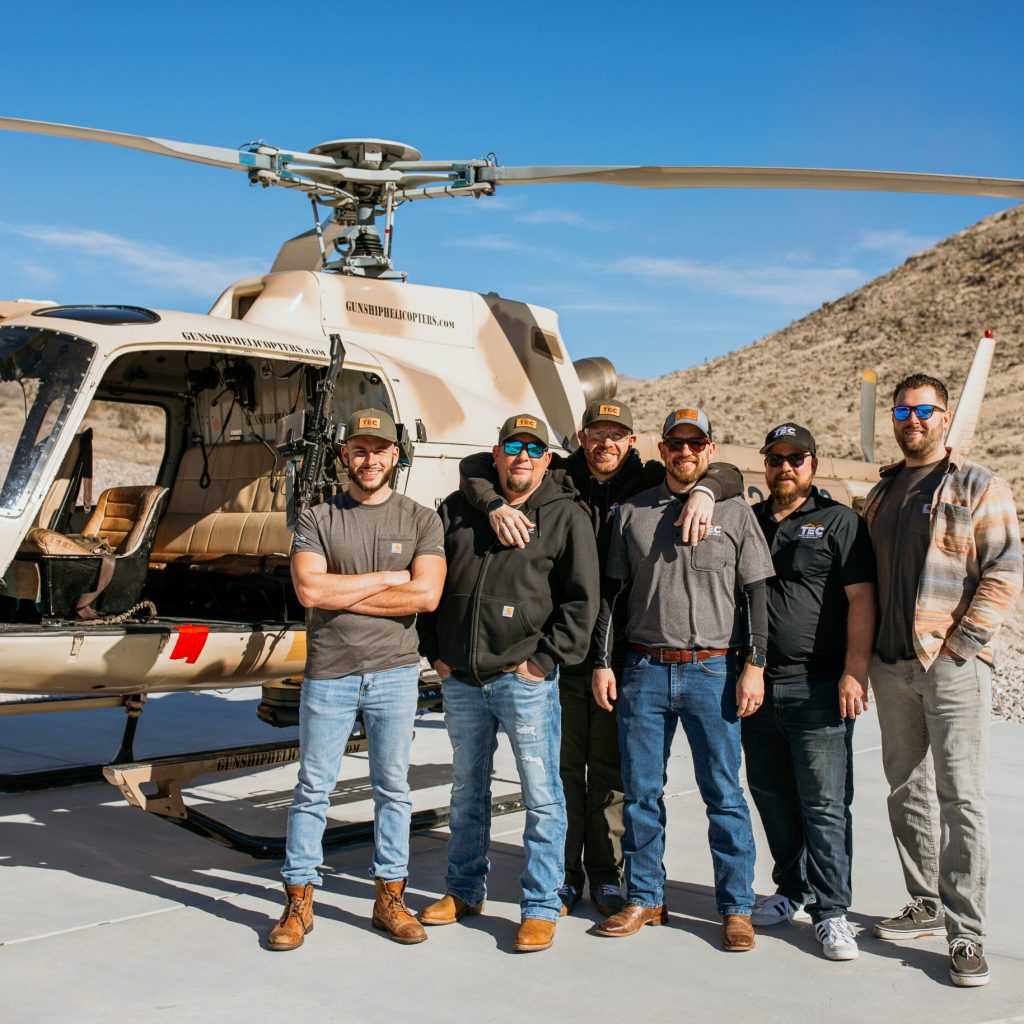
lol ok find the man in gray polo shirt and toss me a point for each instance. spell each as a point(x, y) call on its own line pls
point(364, 563)
point(695, 614)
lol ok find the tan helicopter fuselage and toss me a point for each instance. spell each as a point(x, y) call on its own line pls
point(450, 365)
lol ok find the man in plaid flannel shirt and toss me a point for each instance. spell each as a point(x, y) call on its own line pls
point(947, 542)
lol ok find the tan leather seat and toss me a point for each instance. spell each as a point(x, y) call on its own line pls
point(120, 520)
point(236, 519)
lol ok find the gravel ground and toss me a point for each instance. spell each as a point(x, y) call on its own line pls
point(1008, 682)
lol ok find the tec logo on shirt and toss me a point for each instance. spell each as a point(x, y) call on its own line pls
point(812, 532)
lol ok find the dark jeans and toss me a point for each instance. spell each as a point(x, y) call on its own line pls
point(592, 782)
point(799, 753)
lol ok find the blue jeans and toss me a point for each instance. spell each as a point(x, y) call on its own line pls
point(800, 773)
point(327, 713)
point(653, 698)
point(530, 715)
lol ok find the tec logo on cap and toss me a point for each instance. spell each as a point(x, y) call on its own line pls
point(368, 423)
point(526, 421)
point(609, 410)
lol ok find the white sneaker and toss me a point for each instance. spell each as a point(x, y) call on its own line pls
point(775, 909)
point(837, 938)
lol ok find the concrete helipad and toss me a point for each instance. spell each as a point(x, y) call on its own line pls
point(111, 915)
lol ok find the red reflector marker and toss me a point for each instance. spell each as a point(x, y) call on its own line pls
point(190, 643)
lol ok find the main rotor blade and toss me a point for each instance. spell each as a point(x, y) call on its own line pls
point(214, 156)
point(758, 177)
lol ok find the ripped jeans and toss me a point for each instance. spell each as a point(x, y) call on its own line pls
point(530, 715)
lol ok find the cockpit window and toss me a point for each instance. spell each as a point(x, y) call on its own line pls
point(41, 374)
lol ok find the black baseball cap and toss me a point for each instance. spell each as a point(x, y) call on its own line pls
point(790, 433)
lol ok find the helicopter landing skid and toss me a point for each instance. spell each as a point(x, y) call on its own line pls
point(169, 774)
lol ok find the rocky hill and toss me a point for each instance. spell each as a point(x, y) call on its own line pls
point(926, 316)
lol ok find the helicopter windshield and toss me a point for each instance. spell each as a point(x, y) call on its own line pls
point(41, 373)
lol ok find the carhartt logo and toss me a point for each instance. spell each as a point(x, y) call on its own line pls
point(926, 508)
point(508, 611)
point(609, 410)
point(369, 421)
point(686, 414)
point(714, 531)
point(812, 532)
point(786, 430)
point(526, 421)
point(396, 548)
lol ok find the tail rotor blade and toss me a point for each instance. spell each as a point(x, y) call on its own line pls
point(965, 420)
point(868, 389)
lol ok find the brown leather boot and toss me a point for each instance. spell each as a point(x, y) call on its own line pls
point(737, 933)
point(297, 919)
point(449, 909)
point(534, 935)
point(630, 919)
point(391, 915)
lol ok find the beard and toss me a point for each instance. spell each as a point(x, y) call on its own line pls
point(685, 473)
point(789, 492)
point(372, 486)
point(606, 465)
point(919, 445)
point(519, 483)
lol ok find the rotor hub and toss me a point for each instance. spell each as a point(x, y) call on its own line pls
point(370, 154)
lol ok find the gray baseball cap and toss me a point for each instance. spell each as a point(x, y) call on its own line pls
point(371, 423)
point(688, 414)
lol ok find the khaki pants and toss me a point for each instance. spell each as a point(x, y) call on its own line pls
point(937, 806)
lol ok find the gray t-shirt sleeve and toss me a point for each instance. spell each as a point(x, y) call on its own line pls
point(429, 534)
point(307, 534)
point(617, 565)
point(754, 560)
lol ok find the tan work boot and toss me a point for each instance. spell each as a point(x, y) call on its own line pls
point(449, 909)
point(297, 919)
point(534, 935)
point(391, 915)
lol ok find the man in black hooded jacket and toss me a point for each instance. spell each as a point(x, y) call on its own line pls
point(604, 471)
point(509, 618)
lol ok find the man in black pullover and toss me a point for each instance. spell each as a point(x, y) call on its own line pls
point(508, 619)
point(605, 471)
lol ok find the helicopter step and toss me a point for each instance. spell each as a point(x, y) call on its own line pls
point(166, 776)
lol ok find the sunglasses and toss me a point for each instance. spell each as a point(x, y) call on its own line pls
point(533, 448)
point(677, 444)
point(796, 460)
point(900, 413)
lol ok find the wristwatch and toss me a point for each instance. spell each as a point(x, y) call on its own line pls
point(754, 657)
point(493, 506)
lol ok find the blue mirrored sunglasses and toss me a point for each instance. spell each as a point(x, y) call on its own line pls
point(922, 412)
point(533, 448)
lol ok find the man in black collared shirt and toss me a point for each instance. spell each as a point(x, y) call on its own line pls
point(821, 611)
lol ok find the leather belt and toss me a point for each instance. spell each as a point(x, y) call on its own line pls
point(679, 655)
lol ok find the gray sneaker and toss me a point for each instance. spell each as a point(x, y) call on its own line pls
point(967, 966)
point(914, 921)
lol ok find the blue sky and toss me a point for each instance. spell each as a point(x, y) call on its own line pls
point(656, 280)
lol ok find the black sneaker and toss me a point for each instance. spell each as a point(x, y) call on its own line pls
point(967, 966)
point(914, 921)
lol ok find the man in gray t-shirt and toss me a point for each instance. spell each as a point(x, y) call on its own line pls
point(694, 614)
point(364, 564)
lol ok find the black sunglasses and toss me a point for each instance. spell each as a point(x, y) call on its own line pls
point(677, 444)
point(922, 412)
point(533, 448)
point(796, 460)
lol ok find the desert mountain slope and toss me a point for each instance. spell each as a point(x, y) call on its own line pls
point(923, 316)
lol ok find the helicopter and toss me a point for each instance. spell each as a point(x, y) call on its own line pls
point(182, 582)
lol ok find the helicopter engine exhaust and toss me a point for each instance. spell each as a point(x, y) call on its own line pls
point(598, 378)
